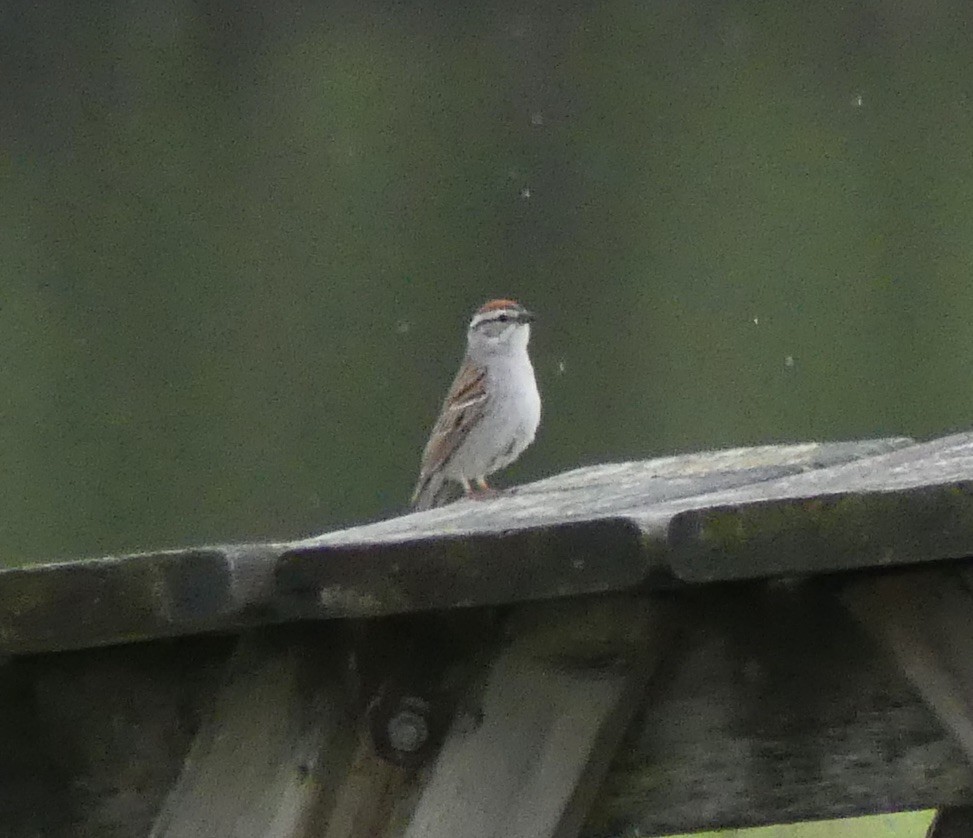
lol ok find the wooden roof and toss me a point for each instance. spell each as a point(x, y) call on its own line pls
point(770, 511)
point(678, 645)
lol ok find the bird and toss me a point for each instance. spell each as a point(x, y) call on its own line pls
point(491, 412)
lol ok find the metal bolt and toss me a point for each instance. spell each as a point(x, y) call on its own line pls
point(408, 729)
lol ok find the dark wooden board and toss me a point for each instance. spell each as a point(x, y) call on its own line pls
point(773, 511)
point(924, 618)
point(252, 769)
point(95, 602)
point(770, 705)
point(751, 513)
point(549, 713)
point(774, 708)
point(96, 738)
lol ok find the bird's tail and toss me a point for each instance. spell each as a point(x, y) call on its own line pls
point(432, 490)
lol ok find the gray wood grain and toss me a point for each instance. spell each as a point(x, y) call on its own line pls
point(92, 740)
point(591, 530)
point(116, 599)
point(616, 527)
point(553, 705)
point(925, 619)
point(367, 799)
point(252, 769)
point(770, 704)
point(763, 512)
point(774, 706)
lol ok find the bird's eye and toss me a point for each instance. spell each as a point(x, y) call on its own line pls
point(503, 318)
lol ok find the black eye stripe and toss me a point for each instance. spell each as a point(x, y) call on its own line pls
point(504, 317)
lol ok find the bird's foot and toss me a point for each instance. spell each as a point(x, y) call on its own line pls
point(481, 490)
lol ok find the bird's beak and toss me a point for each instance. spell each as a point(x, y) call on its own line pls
point(526, 316)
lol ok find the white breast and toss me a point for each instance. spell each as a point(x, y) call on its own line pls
point(518, 411)
point(510, 420)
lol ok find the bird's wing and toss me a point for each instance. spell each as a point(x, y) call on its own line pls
point(462, 408)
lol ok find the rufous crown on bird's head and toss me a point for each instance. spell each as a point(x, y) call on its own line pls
point(492, 305)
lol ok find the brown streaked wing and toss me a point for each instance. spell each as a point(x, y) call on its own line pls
point(463, 404)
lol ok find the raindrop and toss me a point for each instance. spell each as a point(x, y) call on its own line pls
point(788, 361)
point(525, 193)
point(537, 118)
point(403, 326)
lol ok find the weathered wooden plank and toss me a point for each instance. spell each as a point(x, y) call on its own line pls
point(586, 531)
point(92, 602)
point(751, 513)
point(774, 706)
point(526, 761)
point(29, 778)
point(925, 618)
point(366, 799)
point(908, 506)
point(93, 739)
point(253, 769)
point(95, 744)
point(454, 571)
point(625, 491)
point(770, 705)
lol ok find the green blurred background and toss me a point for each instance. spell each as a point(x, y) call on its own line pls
point(239, 244)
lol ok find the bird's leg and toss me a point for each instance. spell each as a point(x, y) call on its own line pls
point(479, 489)
point(484, 489)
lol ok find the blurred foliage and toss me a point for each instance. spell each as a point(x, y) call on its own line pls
point(238, 246)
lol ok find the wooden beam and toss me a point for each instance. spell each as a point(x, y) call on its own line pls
point(773, 706)
point(277, 727)
point(366, 798)
point(925, 619)
point(749, 512)
point(695, 517)
point(527, 756)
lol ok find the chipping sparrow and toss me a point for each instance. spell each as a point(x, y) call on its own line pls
point(492, 409)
